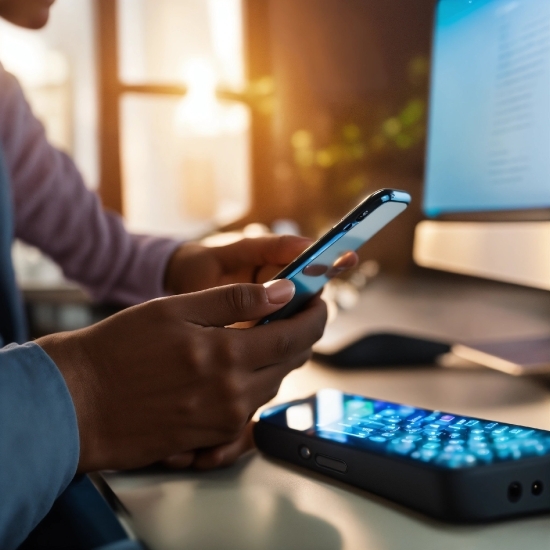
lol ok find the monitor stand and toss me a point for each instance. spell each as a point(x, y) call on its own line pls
point(515, 252)
point(523, 357)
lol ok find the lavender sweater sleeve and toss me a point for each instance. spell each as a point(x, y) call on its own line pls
point(55, 212)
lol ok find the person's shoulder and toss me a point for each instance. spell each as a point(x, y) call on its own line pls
point(9, 85)
point(11, 93)
point(6, 76)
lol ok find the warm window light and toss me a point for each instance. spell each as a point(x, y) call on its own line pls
point(226, 32)
point(44, 74)
point(185, 160)
point(201, 119)
point(27, 57)
point(200, 112)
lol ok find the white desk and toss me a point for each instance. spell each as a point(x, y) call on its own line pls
point(264, 504)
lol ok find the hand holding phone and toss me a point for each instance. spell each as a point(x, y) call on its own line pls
point(335, 251)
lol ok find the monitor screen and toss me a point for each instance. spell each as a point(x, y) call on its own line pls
point(489, 123)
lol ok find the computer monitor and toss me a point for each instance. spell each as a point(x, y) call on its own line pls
point(487, 182)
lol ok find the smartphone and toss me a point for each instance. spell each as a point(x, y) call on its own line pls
point(312, 269)
point(449, 466)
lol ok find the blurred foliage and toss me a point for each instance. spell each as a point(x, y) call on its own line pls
point(387, 134)
point(259, 95)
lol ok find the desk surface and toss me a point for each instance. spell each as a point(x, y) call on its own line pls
point(264, 504)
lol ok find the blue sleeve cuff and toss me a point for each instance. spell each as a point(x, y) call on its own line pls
point(39, 442)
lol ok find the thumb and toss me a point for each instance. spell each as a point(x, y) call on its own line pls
point(225, 305)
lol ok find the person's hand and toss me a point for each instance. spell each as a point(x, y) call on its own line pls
point(167, 377)
point(195, 267)
point(215, 457)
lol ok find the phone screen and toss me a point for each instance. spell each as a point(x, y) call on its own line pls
point(442, 439)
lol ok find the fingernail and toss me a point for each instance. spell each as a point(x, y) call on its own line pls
point(279, 291)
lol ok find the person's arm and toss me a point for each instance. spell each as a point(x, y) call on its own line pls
point(55, 212)
point(39, 441)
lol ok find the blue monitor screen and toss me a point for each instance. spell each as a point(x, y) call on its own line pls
point(489, 129)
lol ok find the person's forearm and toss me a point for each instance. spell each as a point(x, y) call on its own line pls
point(39, 446)
point(55, 212)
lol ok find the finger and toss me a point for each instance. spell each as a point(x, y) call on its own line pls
point(273, 249)
point(265, 383)
point(225, 455)
point(225, 305)
point(346, 261)
point(264, 345)
point(181, 461)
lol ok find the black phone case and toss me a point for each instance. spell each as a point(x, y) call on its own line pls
point(465, 495)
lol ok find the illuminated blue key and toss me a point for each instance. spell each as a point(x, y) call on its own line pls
point(402, 449)
point(413, 430)
point(411, 438)
point(457, 460)
point(455, 428)
point(484, 455)
point(373, 423)
point(425, 455)
point(453, 449)
point(500, 430)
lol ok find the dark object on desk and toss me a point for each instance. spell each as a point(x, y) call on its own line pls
point(414, 456)
point(526, 357)
point(385, 349)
